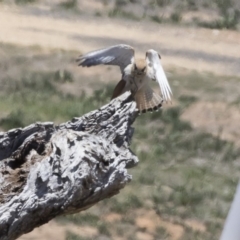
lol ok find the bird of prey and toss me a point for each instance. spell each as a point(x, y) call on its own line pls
point(136, 74)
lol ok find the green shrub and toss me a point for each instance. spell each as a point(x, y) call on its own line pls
point(69, 4)
point(24, 1)
point(176, 17)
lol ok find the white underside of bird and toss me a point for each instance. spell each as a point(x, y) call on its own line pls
point(136, 74)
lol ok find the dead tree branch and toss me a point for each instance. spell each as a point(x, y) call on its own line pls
point(48, 170)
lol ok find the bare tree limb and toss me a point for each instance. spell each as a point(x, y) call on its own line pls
point(48, 170)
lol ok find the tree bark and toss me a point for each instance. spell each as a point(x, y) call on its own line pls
point(48, 170)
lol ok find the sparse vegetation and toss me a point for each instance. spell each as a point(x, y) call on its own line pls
point(156, 18)
point(229, 16)
point(183, 172)
point(72, 236)
point(85, 219)
point(162, 3)
point(228, 21)
point(24, 1)
point(117, 12)
point(187, 100)
point(161, 232)
point(103, 229)
point(228, 12)
point(69, 4)
point(98, 14)
point(176, 17)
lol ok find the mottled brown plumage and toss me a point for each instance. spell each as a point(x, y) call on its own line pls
point(136, 74)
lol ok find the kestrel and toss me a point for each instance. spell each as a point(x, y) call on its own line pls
point(136, 74)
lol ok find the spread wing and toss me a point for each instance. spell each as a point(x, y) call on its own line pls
point(121, 55)
point(156, 72)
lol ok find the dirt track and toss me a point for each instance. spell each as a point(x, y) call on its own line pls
point(186, 47)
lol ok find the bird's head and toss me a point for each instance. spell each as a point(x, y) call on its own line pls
point(140, 67)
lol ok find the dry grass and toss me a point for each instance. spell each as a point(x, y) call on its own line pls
point(186, 178)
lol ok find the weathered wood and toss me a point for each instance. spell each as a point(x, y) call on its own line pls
point(48, 170)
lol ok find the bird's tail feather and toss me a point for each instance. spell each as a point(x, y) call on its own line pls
point(147, 99)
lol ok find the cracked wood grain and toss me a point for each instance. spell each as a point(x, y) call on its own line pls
point(48, 170)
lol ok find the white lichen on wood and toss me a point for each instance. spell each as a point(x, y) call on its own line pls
point(48, 170)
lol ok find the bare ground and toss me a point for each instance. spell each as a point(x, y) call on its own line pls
point(183, 48)
point(186, 47)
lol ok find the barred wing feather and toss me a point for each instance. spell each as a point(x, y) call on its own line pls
point(121, 55)
point(156, 72)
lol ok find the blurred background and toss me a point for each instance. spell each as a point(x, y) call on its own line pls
point(189, 152)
